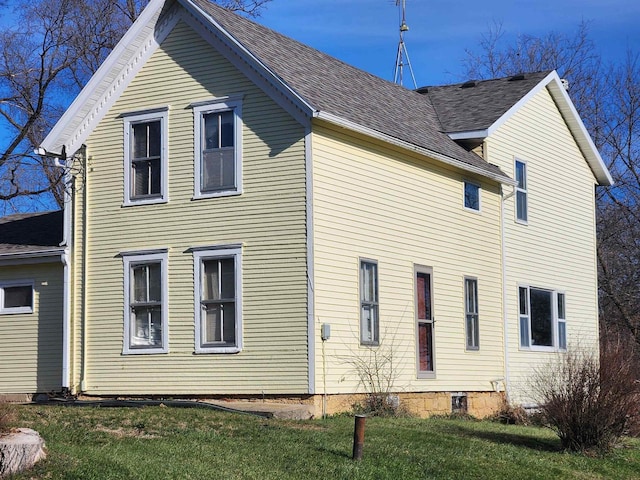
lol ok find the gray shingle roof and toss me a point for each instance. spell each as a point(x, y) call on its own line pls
point(332, 86)
point(477, 105)
point(30, 232)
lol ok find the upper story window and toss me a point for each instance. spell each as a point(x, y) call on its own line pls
point(145, 303)
point(472, 196)
point(369, 303)
point(16, 297)
point(218, 276)
point(521, 192)
point(145, 157)
point(218, 148)
point(542, 319)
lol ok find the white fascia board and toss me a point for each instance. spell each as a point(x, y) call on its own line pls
point(571, 116)
point(27, 258)
point(250, 65)
point(505, 180)
point(112, 77)
point(469, 135)
point(579, 131)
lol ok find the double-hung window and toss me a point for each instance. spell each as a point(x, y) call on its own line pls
point(522, 215)
point(218, 287)
point(218, 148)
point(542, 319)
point(471, 313)
point(145, 292)
point(145, 157)
point(16, 297)
point(369, 329)
point(424, 321)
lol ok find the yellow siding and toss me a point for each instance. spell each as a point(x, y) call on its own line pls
point(377, 203)
point(556, 249)
point(31, 354)
point(268, 219)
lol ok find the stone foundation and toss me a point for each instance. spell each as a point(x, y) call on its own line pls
point(420, 404)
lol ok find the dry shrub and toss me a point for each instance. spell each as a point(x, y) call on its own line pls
point(512, 415)
point(7, 418)
point(589, 402)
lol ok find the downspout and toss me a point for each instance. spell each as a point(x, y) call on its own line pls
point(66, 263)
point(504, 289)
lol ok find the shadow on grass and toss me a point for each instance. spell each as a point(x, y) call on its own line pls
point(334, 451)
point(507, 438)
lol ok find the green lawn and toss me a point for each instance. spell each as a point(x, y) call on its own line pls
point(169, 443)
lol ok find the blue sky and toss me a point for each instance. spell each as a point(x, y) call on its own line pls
point(364, 33)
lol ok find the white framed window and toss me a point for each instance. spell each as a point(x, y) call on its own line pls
point(369, 308)
point(471, 313)
point(145, 303)
point(218, 299)
point(522, 214)
point(145, 157)
point(542, 319)
point(472, 196)
point(16, 297)
point(218, 148)
point(425, 321)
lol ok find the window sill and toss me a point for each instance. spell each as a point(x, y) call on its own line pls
point(426, 375)
point(541, 349)
point(227, 193)
point(521, 222)
point(146, 201)
point(17, 310)
point(145, 351)
point(209, 350)
point(472, 210)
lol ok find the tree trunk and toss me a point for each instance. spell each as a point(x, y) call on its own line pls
point(20, 450)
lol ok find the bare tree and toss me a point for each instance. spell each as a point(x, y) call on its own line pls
point(607, 97)
point(50, 52)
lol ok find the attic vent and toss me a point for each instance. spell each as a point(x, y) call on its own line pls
point(469, 84)
point(515, 78)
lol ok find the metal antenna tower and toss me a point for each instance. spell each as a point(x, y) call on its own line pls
point(402, 57)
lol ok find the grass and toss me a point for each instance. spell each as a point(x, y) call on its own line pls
point(157, 443)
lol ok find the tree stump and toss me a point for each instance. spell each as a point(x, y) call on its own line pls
point(20, 450)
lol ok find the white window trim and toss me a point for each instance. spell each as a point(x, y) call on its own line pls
point(376, 328)
point(213, 253)
point(424, 374)
point(468, 347)
point(16, 310)
point(233, 104)
point(133, 259)
point(161, 114)
point(524, 190)
point(468, 209)
point(555, 347)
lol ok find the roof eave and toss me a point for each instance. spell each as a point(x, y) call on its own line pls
point(560, 96)
point(37, 256)
point(355, 127)
point(306, 107)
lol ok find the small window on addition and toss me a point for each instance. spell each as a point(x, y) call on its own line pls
point(472, 196)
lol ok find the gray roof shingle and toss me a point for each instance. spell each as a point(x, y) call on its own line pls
point(477, 105)
point(30, 232)
point(332, 86)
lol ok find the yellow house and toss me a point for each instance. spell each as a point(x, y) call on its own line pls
point(251, 218)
